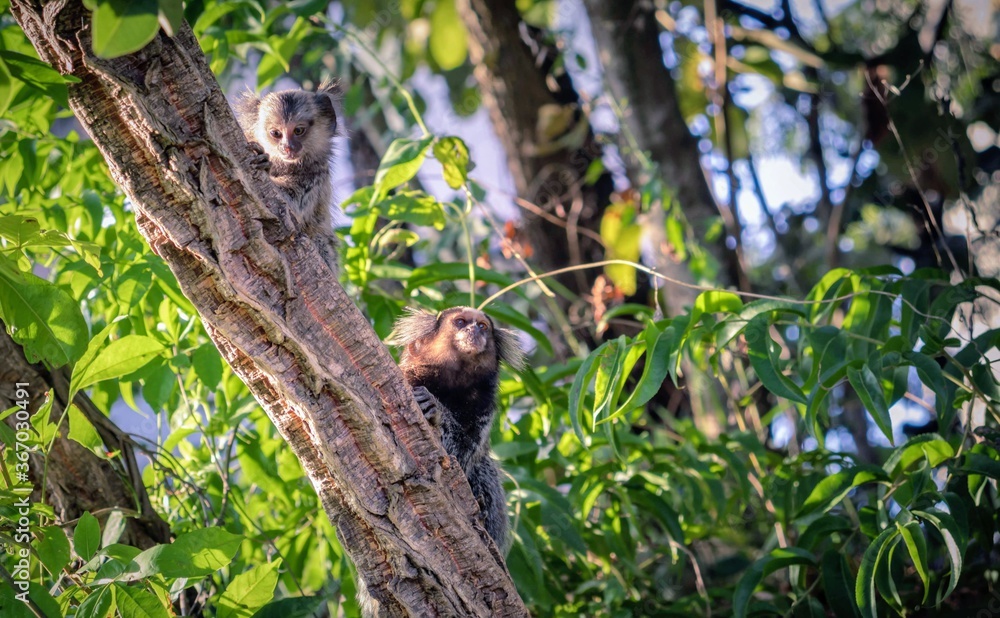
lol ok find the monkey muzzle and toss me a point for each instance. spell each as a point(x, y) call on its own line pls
point(471, 340)
point(290, 149)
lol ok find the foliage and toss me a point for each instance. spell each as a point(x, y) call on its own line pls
point(618, 509)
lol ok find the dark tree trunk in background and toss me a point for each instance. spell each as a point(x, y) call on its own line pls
point(405, 515)
point(79, 481)
point(545, 133)
point(628, 40)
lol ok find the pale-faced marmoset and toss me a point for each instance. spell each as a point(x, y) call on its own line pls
point(295, 129)
point(452, 362)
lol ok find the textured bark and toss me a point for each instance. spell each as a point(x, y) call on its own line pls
point(548, 170)
point(628, 39)
point(405, 515)
point(78, 481)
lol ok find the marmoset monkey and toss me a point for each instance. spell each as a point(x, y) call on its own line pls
point(452, 362)
point(295, 129)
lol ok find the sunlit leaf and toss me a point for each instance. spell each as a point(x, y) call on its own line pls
point(453, 155)
point(41, 317)
point(401, 162)
point(123, 26)
point(249, 591)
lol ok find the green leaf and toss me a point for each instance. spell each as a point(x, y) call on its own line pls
point(660, 346)
point(607, 380)
point(979, 463)
point(195, 553)
point(53, 548)
point(207, 365)
point(762, 358)
point(134, 602)
point(733, 325)
point(714, 301)
point(953, 540)
point(37, 75)
point(118, 358)
point(215, 12)
point(929, 446)
point(913, 538)
point(866, 384)
point(864, 590)
point(82, 431)
point(42, 318)
point(622, 238)
point(249, 591)
point(124, 26)
point(170, 15)
point(449, 42)
point(453, 155)
point(777, 559)
point(7, 90)
point(401, 162)
point(822, 529)
point(113, 528)
point(291, 607)
point(832, 489)
point(414, 207)
point(576, 393)
point(97, 604)
point(838, 584)
point(132, 285)
point(87, 536)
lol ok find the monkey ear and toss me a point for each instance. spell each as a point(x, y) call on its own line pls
point(246, 106)
point(509, 347)
point(328, 97)
point(413, 326)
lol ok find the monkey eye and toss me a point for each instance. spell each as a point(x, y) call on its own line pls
point(459, 322)
point(299, 130)
point(481, 326)
point(276, 134)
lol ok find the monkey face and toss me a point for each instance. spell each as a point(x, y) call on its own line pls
point(460, 338)
point(472, 332)
point(294, 124)
point(286, 140)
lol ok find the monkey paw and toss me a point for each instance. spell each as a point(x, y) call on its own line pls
point(429, 405)
point(259, 160)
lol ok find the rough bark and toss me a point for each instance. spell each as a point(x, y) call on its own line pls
point(405, 515)
point(79, 481)
point(628, 40)
point(548, 163)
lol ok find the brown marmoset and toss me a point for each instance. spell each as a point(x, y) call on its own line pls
point(452, 362)
point(294, 129)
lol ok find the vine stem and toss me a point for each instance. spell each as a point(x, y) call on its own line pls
point(652, 273)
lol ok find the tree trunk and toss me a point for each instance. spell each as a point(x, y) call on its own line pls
point(404, 513)
point(78, 481)
point(628, 39)
point(545, 133)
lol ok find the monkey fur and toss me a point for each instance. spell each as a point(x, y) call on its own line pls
point(292, 131)
point(452, 362)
